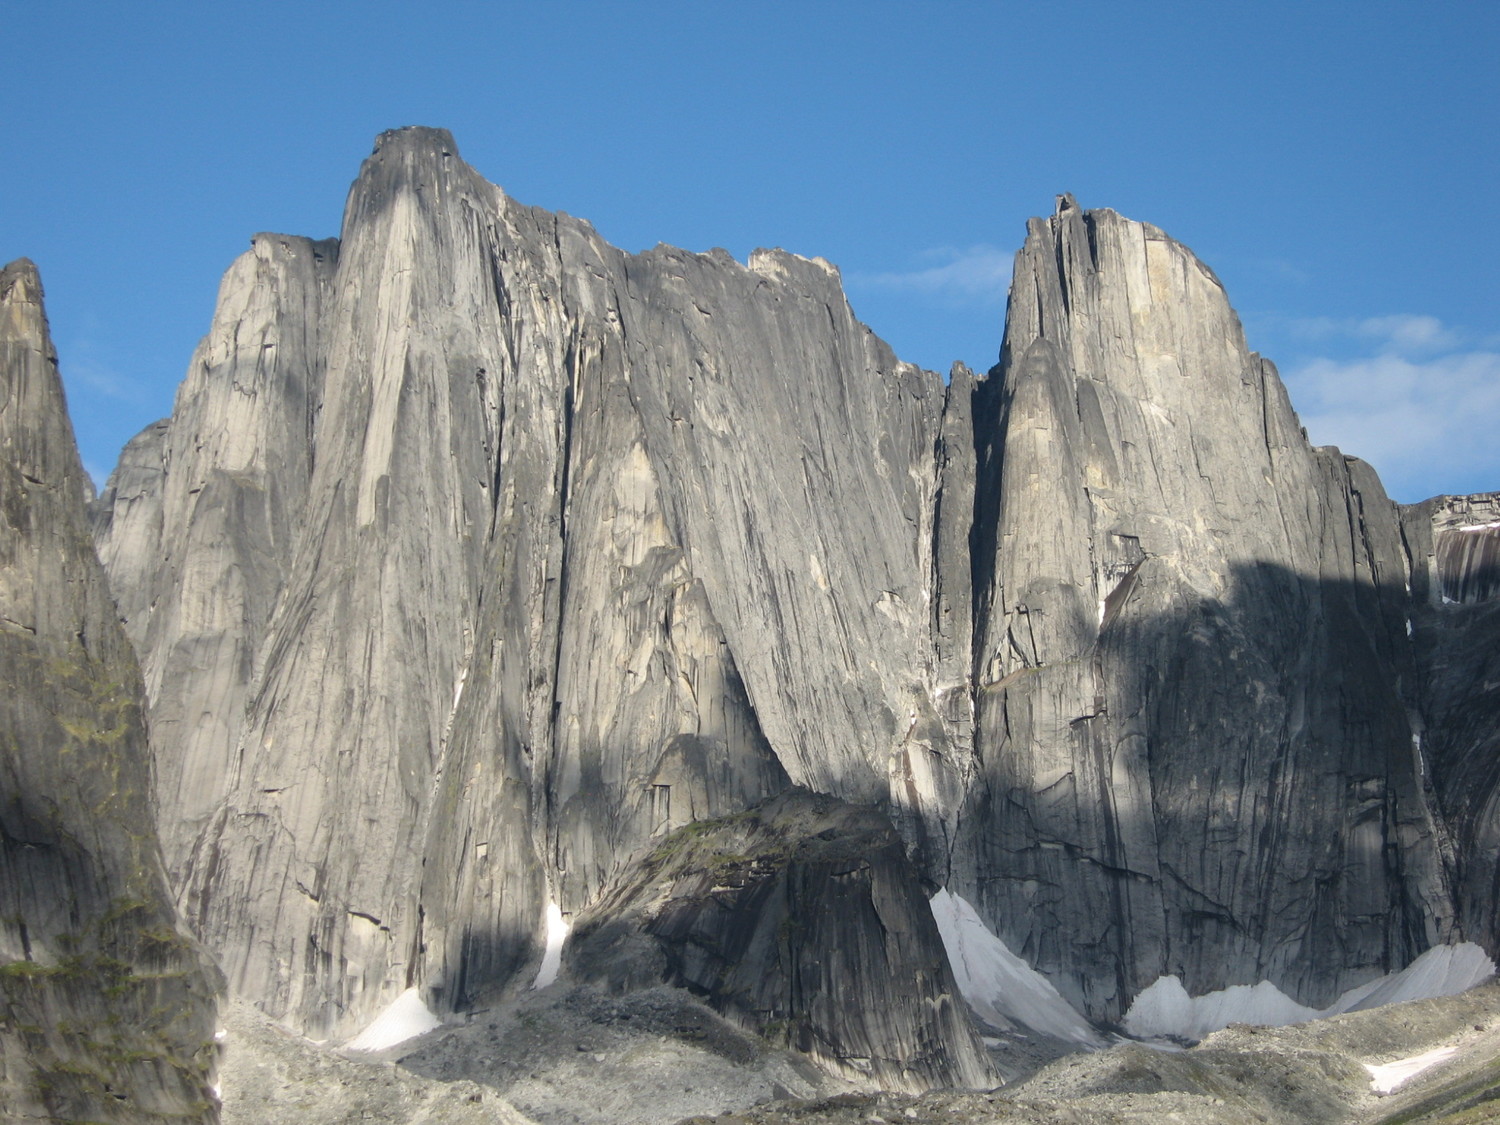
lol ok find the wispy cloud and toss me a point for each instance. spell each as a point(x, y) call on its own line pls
point(92, 376)
point(980, 272)
point(98, 379)
point(1401, 334)
point(1427, 422)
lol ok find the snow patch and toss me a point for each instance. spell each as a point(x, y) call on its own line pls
point(405, 1018)
point(557, 933)
point(1444, 970)
point(1166, 1010)
point(1479, 527)
point(1385, 1077)
point(1001, 987)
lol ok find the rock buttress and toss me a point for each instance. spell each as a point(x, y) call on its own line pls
point(1196, 757)
point(107, 1006)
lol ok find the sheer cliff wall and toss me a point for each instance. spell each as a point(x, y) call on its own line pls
point(479, 557)
point(480, 554)
point(1196, 752)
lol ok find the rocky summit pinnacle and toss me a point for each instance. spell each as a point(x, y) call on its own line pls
point(1190, 647)
point(485, 573)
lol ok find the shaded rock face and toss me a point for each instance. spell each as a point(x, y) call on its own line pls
point(802, 920)
point(479, 556)
point(1196, 753)
point(106, 1006)
point(1455, 545)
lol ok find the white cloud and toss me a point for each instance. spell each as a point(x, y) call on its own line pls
point(1401, 334)
point(1425, 423)
point(981, 271)
point(96, 378)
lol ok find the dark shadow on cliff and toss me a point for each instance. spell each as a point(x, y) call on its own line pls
point(1252, 793)
point(1249, 790)
point(801, 921)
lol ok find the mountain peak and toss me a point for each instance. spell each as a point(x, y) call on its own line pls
point(416, 139)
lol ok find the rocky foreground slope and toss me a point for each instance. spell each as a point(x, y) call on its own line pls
point(579, 1057)
point(483, 567)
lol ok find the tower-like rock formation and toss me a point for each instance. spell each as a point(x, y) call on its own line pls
point(503, 553)
point(479, 558)
point(106, 1006)
point(1192, 672)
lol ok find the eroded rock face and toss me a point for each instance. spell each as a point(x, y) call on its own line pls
point(479, 556)
point(1196, 753)
point(1455, 545)
point(106, 1006)
point(800, 919)
point(545, 549)
point(196, 523)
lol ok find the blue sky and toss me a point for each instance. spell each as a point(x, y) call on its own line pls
point(1335, 163)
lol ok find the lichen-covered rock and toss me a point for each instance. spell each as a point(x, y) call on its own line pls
point(800, 919)
point(106, 1006)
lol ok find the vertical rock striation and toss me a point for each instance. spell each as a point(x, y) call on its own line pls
point(107, 1006)
point(554, 549)
point(1455, 544)
point(1197, 756)
point(196, 523)
point(480, 559)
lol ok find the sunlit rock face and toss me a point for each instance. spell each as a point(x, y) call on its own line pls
point(106, 1005)
point(480, 552)
point(1190, 664)
point(479, 557)
point(196, 523)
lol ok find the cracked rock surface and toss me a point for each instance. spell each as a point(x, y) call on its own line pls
point(479, 558)
point(106, 1004)
point(1190, 651)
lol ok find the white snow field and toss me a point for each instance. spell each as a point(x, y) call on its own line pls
point(1385, 1077)
point(1003, 989)
point(1166, 1010)
point(998, 985)
point(404, 1018)
point(557, 933)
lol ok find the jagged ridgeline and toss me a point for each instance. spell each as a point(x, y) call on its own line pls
point(106, 1005)
point(480, 560)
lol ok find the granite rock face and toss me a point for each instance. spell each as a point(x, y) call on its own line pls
point(1455, 547)
point(106, 1005)
point(801, 920)
point(1196, 750)
point(478, 554)
point(198, 519)
point(480, 560)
